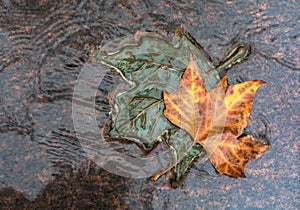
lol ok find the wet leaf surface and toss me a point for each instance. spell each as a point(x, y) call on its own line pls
point(216, 119)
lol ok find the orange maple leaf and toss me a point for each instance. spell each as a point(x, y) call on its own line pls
point(216, 119)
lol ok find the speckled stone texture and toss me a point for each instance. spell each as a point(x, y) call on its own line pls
point(44, 44)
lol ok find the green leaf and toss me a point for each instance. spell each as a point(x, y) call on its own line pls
point(152, 59)
point(151, 66)
point(179, 140)
point(140, 117)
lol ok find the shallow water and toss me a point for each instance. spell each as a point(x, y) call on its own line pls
point(43, 47)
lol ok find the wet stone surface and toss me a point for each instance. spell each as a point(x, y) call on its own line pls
point(43, 46)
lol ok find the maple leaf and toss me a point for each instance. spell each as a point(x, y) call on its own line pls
point(216, 119)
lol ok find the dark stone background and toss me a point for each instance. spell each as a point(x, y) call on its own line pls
point(43, 45)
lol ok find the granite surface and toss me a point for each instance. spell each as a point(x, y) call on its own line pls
point(43, 46)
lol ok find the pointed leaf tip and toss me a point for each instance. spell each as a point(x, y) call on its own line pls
point(216, 119)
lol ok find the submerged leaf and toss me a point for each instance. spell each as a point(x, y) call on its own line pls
point(181, 141)
point(152, 66)
point(153, 61)
point(140, 117)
